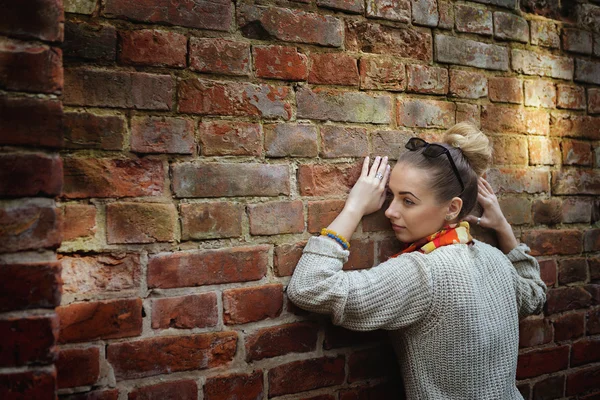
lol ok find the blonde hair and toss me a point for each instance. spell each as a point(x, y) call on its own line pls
point(473, 143)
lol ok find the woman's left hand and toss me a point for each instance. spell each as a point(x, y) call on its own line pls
point(368, 193)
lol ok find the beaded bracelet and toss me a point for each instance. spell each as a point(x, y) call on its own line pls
point(338, 238)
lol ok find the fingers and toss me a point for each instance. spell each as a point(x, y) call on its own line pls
point(487, 185)
point(386, 175)
point(365, 167)
point(375, 167)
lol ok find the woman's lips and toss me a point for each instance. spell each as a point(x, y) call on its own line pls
point(397, 227)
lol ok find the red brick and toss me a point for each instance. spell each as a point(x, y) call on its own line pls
point(534, 332)
point(510, 150)
point(289, 25)
point(250, 304)
point(549, 388)
point(322, 213)
point(547, 241)
point(377, 221)
point(38, 385)
point(542, 361)
point(400, 42)
point(211, 220)
point(153, 47)
point(506, 90)
point(226, 180)
point(390, 143)
point(102, 274)
point(517, 210)
point(23, 175)
point(577, 126)
point(593, 321)
point(111, 394)
point(29, 224)
point(235, 386)
point(576, 182)
point(425, 79)
point(380, 73)
point(177, 390)
point(185, 312)
point(333, 69)
point(547, 211)
point(466, 112)
point(286, 257)
point(169, 354)
point(544, 151)
point(453, 50)
point(351, 6)
point(327, 179)
point(518, 181)
point(77, 367)
point(28, 340)
point(544, 33)
point(501, 119)
point(548, 271)
point(362, 255)
point(280, 340)
point(473, 19)
point(79, 221)
point(153, 222)
point(577, 210)
point(199, 14)
point(577, 41)
point(207, 267)
point(593, 106)
point(90, 41)
point(321, 397)
point(37, 19)
point(539, 93)
point(386, 390)
point(295, 140)
point(577, 153)
point(571, 97)
point(393, 10)
point(276, 218)
point(90, 131)
point(343, 141)
point(83, 322)
point(426, 113)
point(200, 96)
point(531, 63)
point(510, 27)
point(215, 55)
point(568, 298)
point(120, 89)
point(425, 12)
point(299, 376)
point(370, 363)
point(467, 84)
point(591, 240)
point(446, 11)
point(280, 62)
point(28, 67)
point(31, 285)
point(230, 138)
point(162, 135)
point(583, 380)
point(337, 337)
point(568, 326)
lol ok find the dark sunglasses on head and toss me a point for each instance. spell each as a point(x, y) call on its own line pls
point(433, 150)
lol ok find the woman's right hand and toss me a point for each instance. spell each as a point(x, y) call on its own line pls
point(492, 216)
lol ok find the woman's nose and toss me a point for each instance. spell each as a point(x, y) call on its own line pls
point(391, 211)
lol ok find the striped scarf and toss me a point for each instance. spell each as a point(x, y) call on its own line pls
point(450, 234)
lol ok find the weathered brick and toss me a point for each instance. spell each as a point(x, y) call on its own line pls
point(544, 33)
point(380, 73)
point(470, 85)
point(506, 90)
point(393, 10)
point(473, 19)
point(226, 180)
point(510, 150)
point(35, 384)
point(280, 62)
point(510, 27)
point(90, 41)
point(200, 96)
point(425, 79)
point(371, 363)
point(585, 351)
point(30, 174)
point(572, 97)
point(77, 367)
point(390, 143)
point(540, 93)
point(162, 135)
point(576, 152)
point(79, 220)
point(183, 390)
point(352, 6)
point(572, 270)
point(534, 332)
point(343, 141)
point(91, 131)
point(327, 179)
point(588, 15)
point(274, 218)
point(153, 47)
point(501, 120)
point(84, 322)
point(337, 337)
point(211, 220)
point(362, 255)
point(104, 177)
point(596, 46)
point(207, 267)
point(518, 181)
point(386, 390)
point(577, 126)
point(29, 224)
point(530, 63)
point(377, 221)
point(322, 213)
point(446, 11)
point(286, 257)
point(31, 285)
point(425, 12)
point(250, 304)
point(548, 272)
point(568, 298)
point(547, 212)
point(453, 50)
point(379, 39)
point(305, 375)
point(219, 56)
point(568, 326)
point(164, 355)
point(153, 222)
point(289, 25)
point(337, 105)
point(547, 241)
point(547, 8)
point(593, 106)
point(185, 312)
point(36, 19)
point(466, 112)
point(426, 113)
point(214, 15)
point(29, 67)
point(576, 182)
point(542, 361)
point(235, 386)
point(80, 6)
point(591, 240)
point(33, 122)
point(549, 388)
point(582, 380)
point(587, 71)
point(230, 138)
point(28, 340)
point(577, 210)
point(577, 41)
point(333, 69)
point(279, 340)
point(110, 394)
point(512, 4)
point(295, 140)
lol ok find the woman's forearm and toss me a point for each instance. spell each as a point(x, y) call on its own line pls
point(346, 222)
point(506, 238)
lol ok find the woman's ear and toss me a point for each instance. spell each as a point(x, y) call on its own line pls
point(455, 206)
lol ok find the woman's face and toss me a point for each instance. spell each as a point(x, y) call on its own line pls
point(414, 211)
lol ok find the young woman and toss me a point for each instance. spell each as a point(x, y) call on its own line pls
point(451, 303)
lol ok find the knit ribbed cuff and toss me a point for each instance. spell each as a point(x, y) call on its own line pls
point(324, 246)
point(519, 253)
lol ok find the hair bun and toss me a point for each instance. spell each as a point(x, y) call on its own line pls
point(473, 143)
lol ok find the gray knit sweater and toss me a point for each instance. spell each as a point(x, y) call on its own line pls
point(453, 314)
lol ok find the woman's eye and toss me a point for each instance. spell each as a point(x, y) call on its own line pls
point(408, 202)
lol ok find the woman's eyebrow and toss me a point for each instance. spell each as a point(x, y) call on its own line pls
point(412, 194)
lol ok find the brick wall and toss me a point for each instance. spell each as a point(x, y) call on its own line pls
point(204, 142)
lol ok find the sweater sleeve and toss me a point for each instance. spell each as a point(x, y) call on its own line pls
point(391, 295)
point(531, 290)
